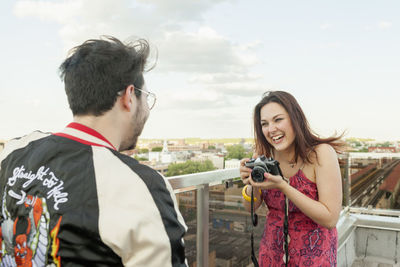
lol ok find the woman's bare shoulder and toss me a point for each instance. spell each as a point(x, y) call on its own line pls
point(321, 153)
point(324, 149)
point(324, 154)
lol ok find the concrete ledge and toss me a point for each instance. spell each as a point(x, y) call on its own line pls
point(368, 240)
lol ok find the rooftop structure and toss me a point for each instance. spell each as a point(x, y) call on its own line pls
point(380, 149)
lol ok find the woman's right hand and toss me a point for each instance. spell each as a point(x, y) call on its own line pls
point(245, 175)
point(244, 171)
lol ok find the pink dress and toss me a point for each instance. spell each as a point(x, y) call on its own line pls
point(310, 243)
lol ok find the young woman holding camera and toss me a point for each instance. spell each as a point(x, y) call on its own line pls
point(311, 186)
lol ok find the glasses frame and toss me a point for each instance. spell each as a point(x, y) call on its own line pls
point(153, 95)
point(148, 93)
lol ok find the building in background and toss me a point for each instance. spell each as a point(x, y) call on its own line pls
point(381, 149)
point(232, 163)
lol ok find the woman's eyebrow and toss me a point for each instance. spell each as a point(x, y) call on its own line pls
point(272, 117)
point(276, 116)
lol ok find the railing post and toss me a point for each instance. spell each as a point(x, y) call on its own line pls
point(346, 180)
point(202, 225)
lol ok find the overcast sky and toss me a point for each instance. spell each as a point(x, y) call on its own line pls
point(340, 59)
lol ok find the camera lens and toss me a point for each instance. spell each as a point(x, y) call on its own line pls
point(258, 174)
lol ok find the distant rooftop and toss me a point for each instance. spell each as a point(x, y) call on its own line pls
point(392, 180)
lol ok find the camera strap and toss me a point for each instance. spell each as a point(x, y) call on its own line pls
point(254, 220)
point(286, 232)
point(286, 228)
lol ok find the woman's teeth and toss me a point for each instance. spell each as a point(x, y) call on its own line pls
point(276, 138)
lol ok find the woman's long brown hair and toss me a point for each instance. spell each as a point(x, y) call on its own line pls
point(305, 139)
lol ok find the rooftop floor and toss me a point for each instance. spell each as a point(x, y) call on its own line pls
point(369, 238)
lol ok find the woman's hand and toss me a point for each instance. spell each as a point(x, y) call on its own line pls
point(245, 172)
point(245, 175)
point(270, 182)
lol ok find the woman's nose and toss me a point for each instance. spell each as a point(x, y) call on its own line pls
point(271, 127)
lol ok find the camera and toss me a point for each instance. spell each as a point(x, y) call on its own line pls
point(262, 165)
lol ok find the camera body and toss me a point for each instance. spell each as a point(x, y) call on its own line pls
point(262, 165)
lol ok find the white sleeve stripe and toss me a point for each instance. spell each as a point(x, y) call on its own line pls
point(129, 220)
point(15, 144)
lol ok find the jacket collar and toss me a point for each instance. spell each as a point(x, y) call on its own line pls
point(85, 135)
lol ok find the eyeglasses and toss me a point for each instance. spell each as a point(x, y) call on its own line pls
point(150, 97)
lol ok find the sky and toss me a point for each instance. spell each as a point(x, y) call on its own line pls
point(340, 59)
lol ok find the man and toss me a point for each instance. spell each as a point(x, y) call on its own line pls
point(71, 198)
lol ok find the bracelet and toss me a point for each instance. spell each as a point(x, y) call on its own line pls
point(245, 196)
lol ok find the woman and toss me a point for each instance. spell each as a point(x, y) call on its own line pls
point(313, 185)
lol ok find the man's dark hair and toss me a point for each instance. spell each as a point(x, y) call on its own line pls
point(97, 70)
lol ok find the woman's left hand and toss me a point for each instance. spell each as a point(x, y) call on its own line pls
point(270, 182)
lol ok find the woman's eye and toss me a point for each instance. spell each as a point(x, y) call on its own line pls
point(278, 119)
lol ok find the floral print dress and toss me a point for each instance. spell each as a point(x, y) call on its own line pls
point(310, 244)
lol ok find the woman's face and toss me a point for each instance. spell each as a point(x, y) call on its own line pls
point(277, 126)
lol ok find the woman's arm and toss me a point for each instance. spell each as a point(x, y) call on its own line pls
point(326, 210)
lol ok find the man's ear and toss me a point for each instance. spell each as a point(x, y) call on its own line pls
point(127, 97)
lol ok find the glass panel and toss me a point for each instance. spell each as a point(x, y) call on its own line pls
point(345, 184)
point(230, 227)
point(187, 206)
point(375, 183)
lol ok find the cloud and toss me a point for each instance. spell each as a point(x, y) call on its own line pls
point(32, 102)
point(381, 25)
point(190, 99)
point(200, 51)
point(384, 24)
point(84, 19)
point(241, 89)
point(223, 78)
point(216, 121)
point(330, 45)
point(60, 12)
point(221, 123)
point(326, 26)
point(212, 98)
point(203, 51)
point(220, 84)
point(181, 10)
